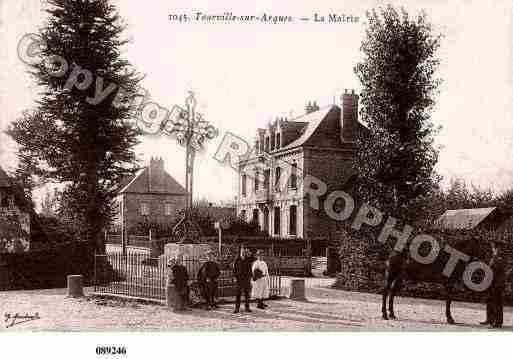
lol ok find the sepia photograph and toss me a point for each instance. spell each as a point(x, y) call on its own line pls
point(195, 168)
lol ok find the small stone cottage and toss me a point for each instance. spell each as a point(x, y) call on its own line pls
point(15, 217)
point(150, 196)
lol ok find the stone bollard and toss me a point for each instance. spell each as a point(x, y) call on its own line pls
point(75, 286)
point(297, 289)
point(175, 299)
point(170, 296)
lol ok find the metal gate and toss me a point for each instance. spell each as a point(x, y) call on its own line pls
point(140, 276)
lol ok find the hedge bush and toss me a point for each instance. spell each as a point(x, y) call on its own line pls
point(363, 263)
point(46, 268)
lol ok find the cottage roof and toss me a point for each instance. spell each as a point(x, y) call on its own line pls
point(464, 218)
point(143, 182)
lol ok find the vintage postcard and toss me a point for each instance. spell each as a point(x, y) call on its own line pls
point(211, 166)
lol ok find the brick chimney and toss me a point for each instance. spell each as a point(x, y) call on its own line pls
point(349, 116)
point(156, 174)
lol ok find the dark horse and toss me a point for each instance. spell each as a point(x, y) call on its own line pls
point(400, 267)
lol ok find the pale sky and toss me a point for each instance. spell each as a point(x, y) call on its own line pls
point(246, 74)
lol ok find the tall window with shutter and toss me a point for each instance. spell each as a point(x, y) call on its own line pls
point(255, 216)
point(293, 220)
point(244, 184)
point(267, 175)
point(257, 180)
point(277, 178)
point(293, 176)
point(277, 221)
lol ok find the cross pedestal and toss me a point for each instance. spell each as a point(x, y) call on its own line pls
point(192, 254)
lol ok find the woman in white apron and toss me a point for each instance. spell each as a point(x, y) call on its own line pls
point(260, 272)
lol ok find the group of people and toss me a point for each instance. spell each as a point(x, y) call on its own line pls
point(251, 277)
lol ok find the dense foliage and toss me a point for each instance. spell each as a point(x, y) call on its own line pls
point(396, 156)
point(69, 139)
point(204, 219)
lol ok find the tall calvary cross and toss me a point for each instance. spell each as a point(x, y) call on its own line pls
point(191, 131)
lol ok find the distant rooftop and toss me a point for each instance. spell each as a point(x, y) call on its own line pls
point(152, 179)
point(464, 218)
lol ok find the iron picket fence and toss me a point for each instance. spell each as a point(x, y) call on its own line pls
point(141, 276)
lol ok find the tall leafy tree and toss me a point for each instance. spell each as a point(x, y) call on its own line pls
point(396, 157)
point(74, 136)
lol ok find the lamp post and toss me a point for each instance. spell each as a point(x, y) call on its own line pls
point(191, 131)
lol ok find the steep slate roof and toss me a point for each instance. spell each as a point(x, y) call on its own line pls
point(4, 179)
point(140, 183)
point(312, 121)
point(464, 218)
point(291, 130)
point(323, 128)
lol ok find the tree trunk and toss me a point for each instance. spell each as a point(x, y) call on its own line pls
point(93, 220)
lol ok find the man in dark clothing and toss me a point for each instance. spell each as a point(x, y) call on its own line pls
point(207, 278)
point(498, 267)
point(180, 281)
point(242, 273)
point(494, 305)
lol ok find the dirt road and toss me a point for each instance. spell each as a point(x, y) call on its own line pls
point(326, 309)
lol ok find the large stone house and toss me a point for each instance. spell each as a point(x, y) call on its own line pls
point(151, 195)
point(15, 217)
point(321, 144)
